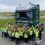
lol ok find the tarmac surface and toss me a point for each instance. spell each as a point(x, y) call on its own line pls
point(6, 41)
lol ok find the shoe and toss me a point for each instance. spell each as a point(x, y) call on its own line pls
point(26, 44)
point(40, 40)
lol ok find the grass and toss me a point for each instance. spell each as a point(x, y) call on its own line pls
point(5, 21)
point(42, 19)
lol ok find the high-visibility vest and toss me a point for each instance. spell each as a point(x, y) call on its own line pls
point(9, 33)
point(34, 30)
point(25, 35)
point(13, 34)
point(5, 30)
point(30, 31)
point(2, 29)
point(6, 27)
point(21, 33)
point(36, 33)
point(17, 35)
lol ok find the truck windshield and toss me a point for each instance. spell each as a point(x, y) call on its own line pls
point(23, 14)
point(29, 15)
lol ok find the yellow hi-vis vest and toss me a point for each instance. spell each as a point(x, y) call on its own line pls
point(9, 33)
point(17, 35)
point(2, 29)
point(30, 32)
point(21, 33)
point(25, 35)
point(13, 34)
point(36, 34)
point(5, 30)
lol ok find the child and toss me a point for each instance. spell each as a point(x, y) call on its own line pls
point(17, 36)
point(21, 33)
point(26, 37)
point(37, 36)
point(31, 33)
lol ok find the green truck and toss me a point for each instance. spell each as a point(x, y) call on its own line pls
point(29, 16)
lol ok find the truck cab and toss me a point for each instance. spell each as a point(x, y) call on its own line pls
point(30, 16)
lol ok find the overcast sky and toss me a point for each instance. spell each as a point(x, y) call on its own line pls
point(10, 5)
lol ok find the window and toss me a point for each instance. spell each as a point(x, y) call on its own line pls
point(29, 14)
point(22, 14)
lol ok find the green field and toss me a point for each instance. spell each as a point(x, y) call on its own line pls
point(42, 13)
point(5, 21)
point(42, 19)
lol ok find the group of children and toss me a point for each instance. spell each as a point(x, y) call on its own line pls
point(14, 32)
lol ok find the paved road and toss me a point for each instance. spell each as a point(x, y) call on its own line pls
point(6, 41)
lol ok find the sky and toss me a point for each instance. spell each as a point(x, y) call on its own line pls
point(11, 5)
